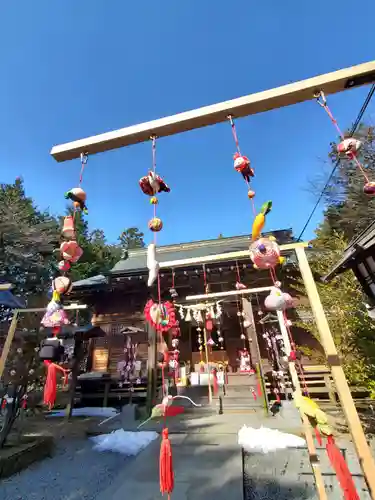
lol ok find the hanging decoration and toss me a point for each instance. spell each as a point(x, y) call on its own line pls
point(50, 387)
point(260, 220)
point(348, 147)
point(278, 300)
point(265, 253)
point(242, 164)
point(151, 185)
point(319, 420)
point(161, 316)
point(173, 291)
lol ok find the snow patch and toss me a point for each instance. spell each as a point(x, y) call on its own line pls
point(124, 442)
point(264, 440)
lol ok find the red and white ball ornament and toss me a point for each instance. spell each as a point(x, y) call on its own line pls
point(265, 253)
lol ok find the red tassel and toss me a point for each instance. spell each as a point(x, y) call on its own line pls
point(50, 387)
point(3, 403)
point(166, 465)
point(259, 389)
point(342, 471)
point(172, 411)
point(318, 436)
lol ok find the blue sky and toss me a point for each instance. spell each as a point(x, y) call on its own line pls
point(70, 69)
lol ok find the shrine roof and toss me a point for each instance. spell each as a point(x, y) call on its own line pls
point(136, 260)
point(360, 244)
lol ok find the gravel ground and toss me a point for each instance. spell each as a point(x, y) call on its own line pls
point(74, 472)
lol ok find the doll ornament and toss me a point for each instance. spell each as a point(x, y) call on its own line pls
point(242, 165)
point(153, 184)
point(71, 251)
point(78, 197)
point(349, 147)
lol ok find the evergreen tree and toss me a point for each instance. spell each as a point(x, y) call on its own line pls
point(344, 304)
point(348, 209)
point(131, 238)
point(28, 238)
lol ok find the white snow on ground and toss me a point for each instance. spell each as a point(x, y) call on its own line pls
point(264, 440)
point(87, 412)
point(124, 442)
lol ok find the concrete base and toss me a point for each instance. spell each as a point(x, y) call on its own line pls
point(16, 457)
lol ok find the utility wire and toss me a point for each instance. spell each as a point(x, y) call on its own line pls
point(352, 131)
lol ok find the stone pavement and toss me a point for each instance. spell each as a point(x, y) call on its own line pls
point(208, 463)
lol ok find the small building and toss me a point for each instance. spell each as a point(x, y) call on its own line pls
point(359, 257)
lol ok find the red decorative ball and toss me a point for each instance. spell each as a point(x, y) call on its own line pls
point(369, 188)
point(251, 194)
point(155, 224)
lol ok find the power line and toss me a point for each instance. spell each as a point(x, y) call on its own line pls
point(352, 131)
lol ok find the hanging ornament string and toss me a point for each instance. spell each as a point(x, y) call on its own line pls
point(242, 164)
point(151, 185)
point(153, 138)
point(239, 311)
point(84, 159)
point(263, 335)
point(348, 146)
point(234, 132)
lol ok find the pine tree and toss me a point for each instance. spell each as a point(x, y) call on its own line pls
point(131, 238)
point(348, 209)
point(28, 238)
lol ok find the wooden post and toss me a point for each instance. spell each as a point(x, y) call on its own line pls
point(314, 460)
point(151, 368)
point(78, 356)
point(8, 341)
point(248, 309)
point(362, 448)
point(208, 367)
point(251, 331)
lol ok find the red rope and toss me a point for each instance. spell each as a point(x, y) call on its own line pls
point(154, 171)
point(336, 458)
point(323, 103)
point(342, 471)
point(253, 206)
point(83, 164)
point(238, 272)
point(234, 132)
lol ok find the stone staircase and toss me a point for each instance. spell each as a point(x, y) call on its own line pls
point(241, 394)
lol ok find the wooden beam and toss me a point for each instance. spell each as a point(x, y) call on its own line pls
point(252, 104)
point(229, 294)
point(363, 451)
point(208, 259)
point(8, 341)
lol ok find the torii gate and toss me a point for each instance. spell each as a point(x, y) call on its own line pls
point(286, 95)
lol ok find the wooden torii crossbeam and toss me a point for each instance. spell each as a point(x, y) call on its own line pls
point(293, 93)
point(286, 95)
